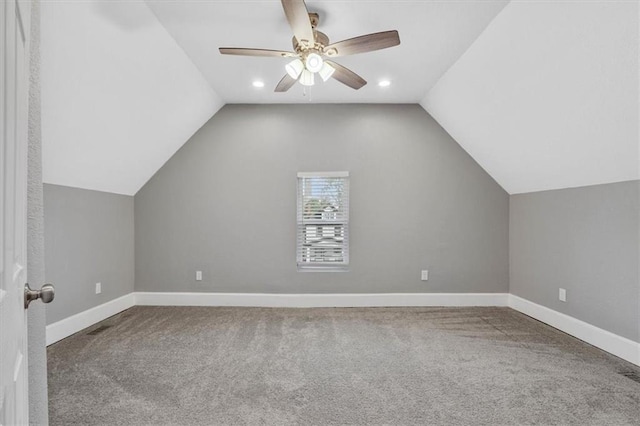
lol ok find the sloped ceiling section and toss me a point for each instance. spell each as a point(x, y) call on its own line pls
point(547, 97)
point(433, 35)
point(119, 95)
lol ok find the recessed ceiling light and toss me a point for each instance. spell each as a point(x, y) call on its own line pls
point(258, 84)
point(384, 83)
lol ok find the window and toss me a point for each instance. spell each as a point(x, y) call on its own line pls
point(323, 221)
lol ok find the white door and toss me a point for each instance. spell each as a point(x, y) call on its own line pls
point(14, 99)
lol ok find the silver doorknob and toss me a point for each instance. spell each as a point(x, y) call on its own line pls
point(46, 294)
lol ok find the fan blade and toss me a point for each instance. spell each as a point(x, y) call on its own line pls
point(365, 43)
point(298, 17)
point(285, 84)
point(346, 76)
point(256, 52)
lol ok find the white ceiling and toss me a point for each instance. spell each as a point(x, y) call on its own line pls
point(119, 96)
point(547, 97)
point(433, 35)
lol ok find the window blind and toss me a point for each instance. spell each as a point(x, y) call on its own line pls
point(323, 220)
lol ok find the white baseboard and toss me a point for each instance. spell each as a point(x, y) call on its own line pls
point(617, 345)
point(321, 300)
point(68, 326)
point(605, 340)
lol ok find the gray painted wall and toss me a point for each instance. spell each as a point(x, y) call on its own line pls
point(88, 239)
point(586, 241)
point(37, 353)
point(226, 204)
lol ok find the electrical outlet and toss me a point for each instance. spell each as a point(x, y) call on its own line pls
point(98, 288)
point(562, 295)
point(198, 275)
point(425, 275)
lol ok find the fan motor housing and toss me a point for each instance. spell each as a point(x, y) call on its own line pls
point(321, 41)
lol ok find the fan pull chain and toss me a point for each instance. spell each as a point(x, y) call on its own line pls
point(305, 93)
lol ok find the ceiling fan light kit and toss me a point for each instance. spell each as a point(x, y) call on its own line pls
point(294, 68)
point(313, 62)
point(307, 78)
point(326, 71)
point(312, 48)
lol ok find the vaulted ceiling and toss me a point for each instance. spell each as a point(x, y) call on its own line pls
point(433, 35)
point(542, 94)
point(547, 96)
point(119, 96)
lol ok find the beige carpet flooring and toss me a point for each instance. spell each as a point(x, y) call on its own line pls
point(361, 366)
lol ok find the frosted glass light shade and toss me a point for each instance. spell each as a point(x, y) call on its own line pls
point(313, 62)
point(326, 71)
point(306, 79)
point(294, 68)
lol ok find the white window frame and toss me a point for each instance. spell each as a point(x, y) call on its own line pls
point(302, 225)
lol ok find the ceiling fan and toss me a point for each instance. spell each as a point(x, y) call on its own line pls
point(312, 48)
